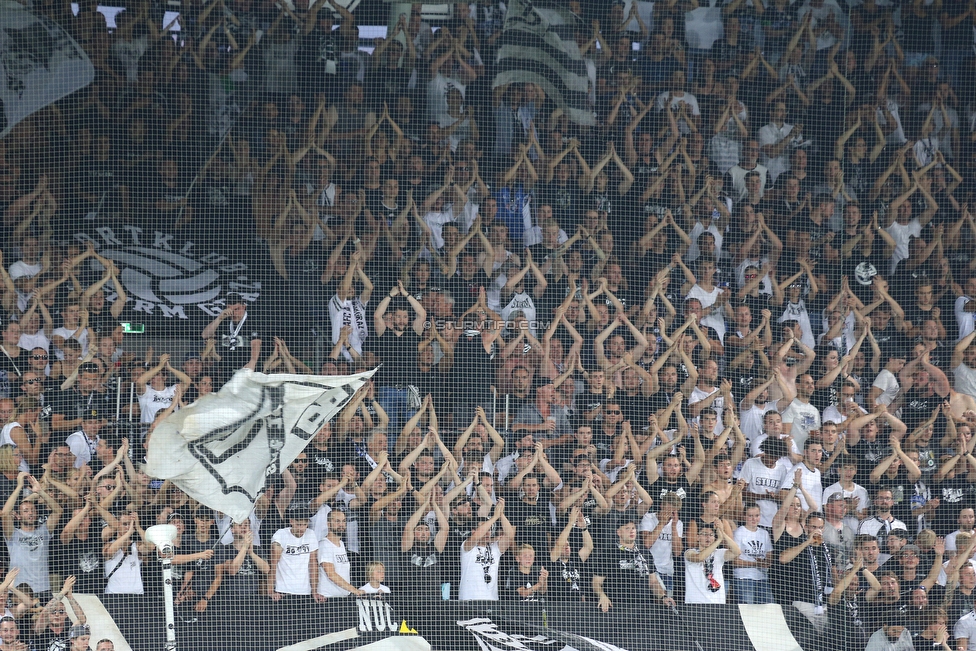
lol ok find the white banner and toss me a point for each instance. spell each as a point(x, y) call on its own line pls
point(220, 449)
point(39, 64)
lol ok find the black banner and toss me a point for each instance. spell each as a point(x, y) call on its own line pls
point(541, 626)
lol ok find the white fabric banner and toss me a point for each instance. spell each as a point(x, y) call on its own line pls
point(220, 449)
point(39, 64)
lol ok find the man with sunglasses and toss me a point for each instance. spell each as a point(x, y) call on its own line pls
point(39, 363)
point(53, 624)
point(32, 385)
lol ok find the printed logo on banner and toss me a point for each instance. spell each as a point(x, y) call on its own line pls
point(262, 433)
point(170, 277)
point(376, 615)
point(492, 638)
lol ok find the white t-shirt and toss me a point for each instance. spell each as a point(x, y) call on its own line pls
point(66, 333)
point(701, 585)
point(319, 523)
point(37, 340)
point(82, 447)
point(292, 574)
point(888, 383)
point(21, 269)
point(29, 554)
point(751, 420)
point(707, 299)
point(965, 379)
point(858, 491)
point(826, 39)
point(128, 578)
point(950, 540)
point(688, 99)
point(521, 301)
point(435, 221)
point(369, 589)
point(693, 252)
point(902, 234)
point(773, 135)
point(437, 89)
point(966, 320)
point(152, 402)
point(661, 549)
point(798, 312)
point(718, 405)
point(966, 628)
point(811, 484)
point(476, 565)
point(755, 545)
point(803, 418)
point(765, 481)
point(335, 554)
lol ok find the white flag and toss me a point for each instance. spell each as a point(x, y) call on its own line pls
point(39, 64)
point(220, 449)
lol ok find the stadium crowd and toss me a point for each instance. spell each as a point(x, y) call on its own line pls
point(718, 347)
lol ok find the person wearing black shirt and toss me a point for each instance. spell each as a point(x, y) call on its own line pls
point(239, 342)
point(671, 479)
point(887, 331)
point(84, 397)
point(80, 549)
point(806, 579)
point(323, 458)
point(567, 568)
point(626, 576)
point(52, 625)
point(668, 375)
point(469, 280)
point(422, 552)
point(199, 574)
point(531, 517)
point(526, 578)
point(305, 486)
point(320, 53)
point(951, 486)
point(521, 394)
point(101, 321)
point(397, 347)
point(563, 195)
point(237, 597)
point(591, 401)
point(923, 389)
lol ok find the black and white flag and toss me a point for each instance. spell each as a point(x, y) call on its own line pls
point(39, 64)
point(538, 46)
point(220, 449)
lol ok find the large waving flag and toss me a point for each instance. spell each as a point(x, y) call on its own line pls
point(39, 64)
point(220, 449)
point(538, 46)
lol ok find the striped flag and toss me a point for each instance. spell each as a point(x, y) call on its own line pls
point(537, 46)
